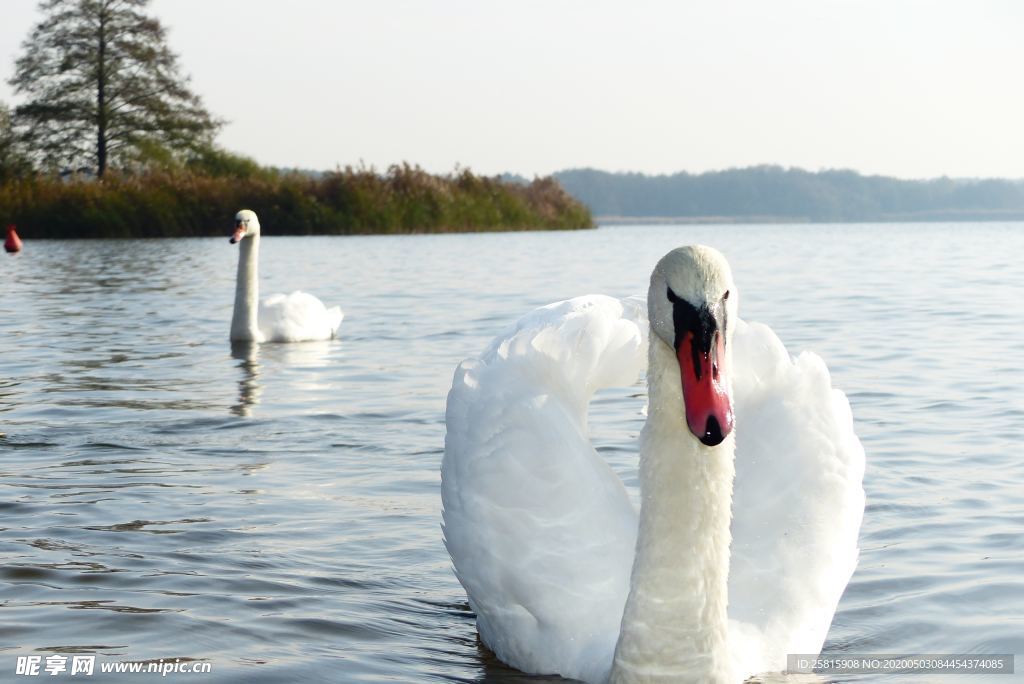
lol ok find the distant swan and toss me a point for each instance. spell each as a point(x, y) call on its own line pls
point(295, 317)
point(279, 318)
point(563, 574)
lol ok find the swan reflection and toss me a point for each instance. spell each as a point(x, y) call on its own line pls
point(311, 354)
point(296, 371)
point(249, 387)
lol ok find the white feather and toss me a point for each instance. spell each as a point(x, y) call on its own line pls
point(541, 531)
point(296, 317)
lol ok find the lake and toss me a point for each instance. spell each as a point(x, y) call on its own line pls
point(275, 511)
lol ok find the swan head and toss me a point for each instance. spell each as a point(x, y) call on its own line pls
point(246, 224)
point(691, 305)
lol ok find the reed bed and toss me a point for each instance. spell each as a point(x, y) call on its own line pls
point(182, 202)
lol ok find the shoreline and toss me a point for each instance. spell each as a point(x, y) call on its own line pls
point(403, 200)
point(914, 217)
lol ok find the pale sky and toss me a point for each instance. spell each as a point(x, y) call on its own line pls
point(908, 88)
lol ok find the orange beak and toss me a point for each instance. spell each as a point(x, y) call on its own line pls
point(238, 234)
point(706, 389)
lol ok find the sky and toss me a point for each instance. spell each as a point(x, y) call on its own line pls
point(905, 88)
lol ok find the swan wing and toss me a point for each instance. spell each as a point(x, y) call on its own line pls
point(540, 529)
point(797, 503)
point(297, 317)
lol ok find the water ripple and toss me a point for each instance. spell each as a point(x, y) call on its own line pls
point(274, 510)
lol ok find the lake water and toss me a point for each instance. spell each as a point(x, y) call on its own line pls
point(275, 512)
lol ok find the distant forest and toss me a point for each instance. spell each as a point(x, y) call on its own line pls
point(774, 193)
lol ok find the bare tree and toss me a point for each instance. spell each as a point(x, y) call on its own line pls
point(103, 87)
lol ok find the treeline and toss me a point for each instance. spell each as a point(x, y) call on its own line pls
point(774, 193)
point(102, 94)
point(202, 198)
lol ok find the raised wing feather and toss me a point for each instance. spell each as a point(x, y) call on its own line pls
point(797, 502)
point(540, 530)
point(542, 534)
point(297, 317)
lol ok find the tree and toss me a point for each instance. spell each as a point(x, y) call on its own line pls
point(13, 162)
point(103, 87)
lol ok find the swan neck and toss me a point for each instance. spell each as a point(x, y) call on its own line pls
point(675, 625)
point(244, 322)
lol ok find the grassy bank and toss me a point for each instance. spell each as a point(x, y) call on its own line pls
point(350, 201)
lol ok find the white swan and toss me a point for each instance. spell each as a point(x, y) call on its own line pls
point(279, 318)
point(564, 576)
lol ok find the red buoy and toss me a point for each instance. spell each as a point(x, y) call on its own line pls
point(13, 242)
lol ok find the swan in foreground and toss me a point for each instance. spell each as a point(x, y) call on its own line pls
point(279, 318)
point(564, 575)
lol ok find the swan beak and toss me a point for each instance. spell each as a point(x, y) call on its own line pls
point(238, 234)
point(706, 392)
